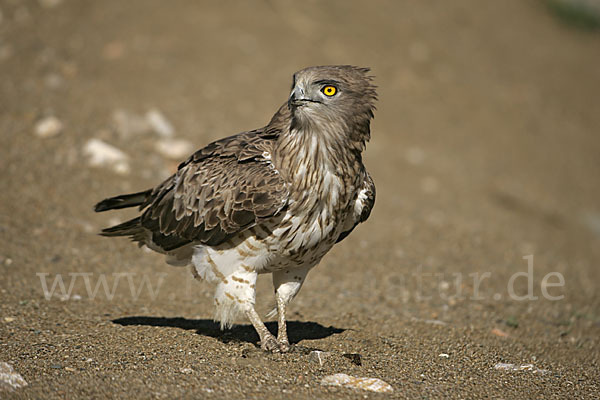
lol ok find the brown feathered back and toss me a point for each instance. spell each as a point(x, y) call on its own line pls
point(235, 183)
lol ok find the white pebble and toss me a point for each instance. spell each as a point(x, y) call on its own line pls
point(48, 127)
point(128, 124)
point(102, 154)
point(524, 367)
point(372, 384)
point(159, 123)
point(319, 356)
point(174, 149)
point(9, 379)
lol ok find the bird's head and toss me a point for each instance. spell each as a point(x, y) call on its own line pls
point(339, 95)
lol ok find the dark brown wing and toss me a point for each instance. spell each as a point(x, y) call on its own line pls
point(224, 188)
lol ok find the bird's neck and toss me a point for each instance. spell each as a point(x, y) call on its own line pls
point(313, 159)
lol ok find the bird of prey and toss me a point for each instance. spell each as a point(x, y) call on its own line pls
point(271, 200)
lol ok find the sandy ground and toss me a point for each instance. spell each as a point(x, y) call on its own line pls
point(485, 150)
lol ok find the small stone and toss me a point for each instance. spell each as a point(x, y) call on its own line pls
point(8, 262)
point(319, 356)
point(102, 154)
point(69, 369)
point(499, 332)
point(128, 124)
point(372, 384)
point(9, 319)
point(444, 355)
point(159, 123)
point(56, 366)
point(354, 358)
point(515, 368)
point(186, 370)
point(48, 127)
point(9, 379)
point(174, 149)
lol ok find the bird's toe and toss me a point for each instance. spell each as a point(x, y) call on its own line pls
point(284, 346)
point(269, 343)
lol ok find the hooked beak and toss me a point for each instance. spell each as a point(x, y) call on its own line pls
point(298, 98)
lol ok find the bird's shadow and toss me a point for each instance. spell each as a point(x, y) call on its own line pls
point(297, 330)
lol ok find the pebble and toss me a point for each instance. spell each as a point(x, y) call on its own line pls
point(8, 262)
point(48, 127)
point(9, 379)
point(130, 124)
point(159, 123)
point(186, 370)
point(499, 332)
point(354, 358)
point(524, 367)
point(372, 384)
point(319, 356)
point(174, 149)
point(102, 154)
point(9, 319)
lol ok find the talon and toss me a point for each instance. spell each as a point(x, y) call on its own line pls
point(270, 344)
point(284, 346)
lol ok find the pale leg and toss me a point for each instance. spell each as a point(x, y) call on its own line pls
point(287, 283)
point(235, 293)
point(267, 340)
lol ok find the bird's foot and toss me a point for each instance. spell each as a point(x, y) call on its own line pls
point(284, 346)
point(269, 343)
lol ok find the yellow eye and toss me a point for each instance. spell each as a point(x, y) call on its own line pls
point(329, 90)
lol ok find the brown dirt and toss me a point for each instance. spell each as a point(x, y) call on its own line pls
point(485, 149)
